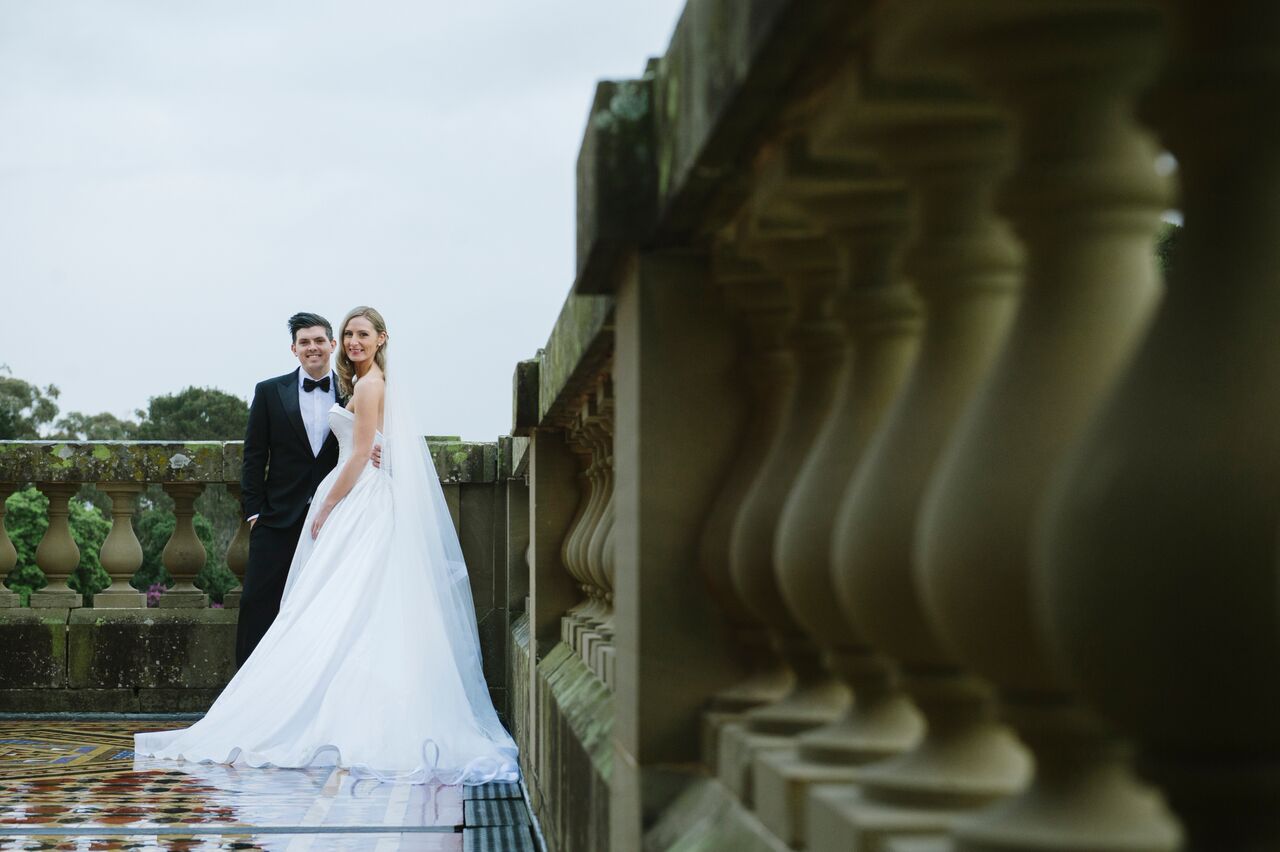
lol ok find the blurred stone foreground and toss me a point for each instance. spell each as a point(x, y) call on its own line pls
point(879, 486)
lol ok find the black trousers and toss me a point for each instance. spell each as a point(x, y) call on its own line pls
point(270, 552)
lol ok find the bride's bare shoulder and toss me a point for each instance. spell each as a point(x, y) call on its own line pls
point(371, 385)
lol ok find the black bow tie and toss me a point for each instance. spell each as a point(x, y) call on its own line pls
point(309, 385)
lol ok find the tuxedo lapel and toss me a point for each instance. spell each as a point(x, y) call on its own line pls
point(288, 388)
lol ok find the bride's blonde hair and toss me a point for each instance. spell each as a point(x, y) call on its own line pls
point(346, 368)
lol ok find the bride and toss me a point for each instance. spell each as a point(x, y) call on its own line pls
point(373, 663)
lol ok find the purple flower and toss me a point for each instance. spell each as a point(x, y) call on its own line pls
point(154, 593)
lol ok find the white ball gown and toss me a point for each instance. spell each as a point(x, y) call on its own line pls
point(373, 663)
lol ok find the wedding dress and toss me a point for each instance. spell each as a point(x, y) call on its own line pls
point(373, 663)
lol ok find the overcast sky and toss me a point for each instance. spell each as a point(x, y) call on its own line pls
point(177, 178)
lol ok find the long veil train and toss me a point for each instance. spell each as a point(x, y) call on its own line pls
point(420, 507)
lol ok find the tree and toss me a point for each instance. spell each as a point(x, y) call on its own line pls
point(194, 414)
point(24, 407)
point(78, 426)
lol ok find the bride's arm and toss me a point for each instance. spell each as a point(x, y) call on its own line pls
point(366, 404)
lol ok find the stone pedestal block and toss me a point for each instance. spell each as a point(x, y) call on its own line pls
point(736, 753)
point(706, 816)
point(841, 820)
point(781, 781)
point(712, 722)
point(56, 599)
point(119, 600)
point(183, 599)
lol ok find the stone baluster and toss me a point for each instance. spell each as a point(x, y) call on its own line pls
point(764, 311)
point(593, 546)
point(866, 220)
point(57, 554)
point(769, 308)
point(602, 632)
point(121, 553)
point(817, 349)
point(570, 551)
point(608, 652)
point(8, 553)
point(237, 555)
point(883, 316)
point(965, 264)
point(600, 611)
point(590, 573)
point(1157, 553)
point(184, 554)
point(1086, 200)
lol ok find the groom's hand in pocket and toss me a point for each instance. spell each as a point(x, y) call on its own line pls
point(376, 455)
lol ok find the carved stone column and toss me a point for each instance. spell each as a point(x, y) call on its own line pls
point(237, 555)
point(598, 641)
point(57, 554)
point(588, 542)
point(1158, 553)
point(965, 264)
point(597, 437)
point(8, 553)
point(866, 221)
point(608, 653)
point(816, 346)
point(763, 310)
point(121, 553)
point(770, 312)
point(1086, 201)
point(184, 554)
point(883, 320)
point(572, 550)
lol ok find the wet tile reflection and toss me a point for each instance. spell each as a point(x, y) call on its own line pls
point(59, 779)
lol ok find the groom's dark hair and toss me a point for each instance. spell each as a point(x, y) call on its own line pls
point(307, 320)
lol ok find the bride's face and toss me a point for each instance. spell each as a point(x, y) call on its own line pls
point(360, 340)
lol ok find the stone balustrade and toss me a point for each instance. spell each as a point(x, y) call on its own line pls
point(108, 652)
point(122, 470)
point(940, 514)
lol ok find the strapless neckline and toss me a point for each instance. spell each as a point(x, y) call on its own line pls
point(337, 406)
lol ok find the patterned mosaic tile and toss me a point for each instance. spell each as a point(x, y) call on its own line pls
point(371, 842)
point(77, 785)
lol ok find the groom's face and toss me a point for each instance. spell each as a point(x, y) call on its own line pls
point(313, 348)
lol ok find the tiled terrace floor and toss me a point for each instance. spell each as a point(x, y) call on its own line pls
point(77, 785)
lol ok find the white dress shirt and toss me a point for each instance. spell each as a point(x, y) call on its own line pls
point(315, 406)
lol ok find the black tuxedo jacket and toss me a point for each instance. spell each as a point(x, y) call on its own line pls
point(280, 474)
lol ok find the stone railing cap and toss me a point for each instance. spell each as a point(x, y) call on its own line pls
point(192, 461)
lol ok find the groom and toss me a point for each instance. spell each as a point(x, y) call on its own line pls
point(288, 449)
